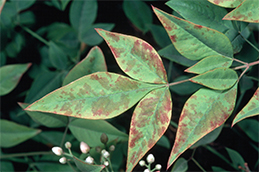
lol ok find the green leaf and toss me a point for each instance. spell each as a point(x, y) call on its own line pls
point(93, 62)
point(159, 35)
point(22, 5)
point(203, 112)
point(149, 122)
point(236, 158)
point(82, 14)
point(90, 131)
point(251, 108)
point(57, 30)
point(52, 166)
point(136, 58)
point(210, 63)
point(217, 169)
point(251, 128)
point(172, 54)
point(139, 14)
point(7, 15)
point(44, 83)
point(100, 95)
point(12, 134)
point(57, 57)
point(218, 79)
point(52, 137)
point(247, 11)
point(6, 166)
point(227, 4)
point(2, 2)
point(194, 41)
point(181, 165)
point(27, 18)
point(10, 75)
point(208, 138)
point(46, 119)
point(83, 166)
point(14, 47)
point(91, 37)
point(164, 142)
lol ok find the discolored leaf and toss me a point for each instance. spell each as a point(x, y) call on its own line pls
point(46, 119)
point(12, 134)
point(2, 2)
point(203, 112)
point(251, 109)
point(218, 79)
point(227, 4)
point(90, 131)
point(83, 166)
point(194, 41)
point(149, 122)
point(10, 76)
point(210, 63)
point(93, 62)
point(181, 165)
point(136, 58)
point(139, 14)
point(100, 95)
point(247, 11)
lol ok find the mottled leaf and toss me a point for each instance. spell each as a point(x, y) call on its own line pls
point(139, 14)
point(194, 41)
point(149, 122)
point(10, 76)
point(247, 11)
point(100, 95)
point(90, 131)
point(251, 108)
point(203, 112)
point(136, 58)
point(46, 119)
point(83, 166)
point(227, 4)
point(93, 62)
point(218, 79)
point(251, 128)
point(236, 158)
point(210, 63)
point(12, 134)
point(181, 165)
point(57, 57)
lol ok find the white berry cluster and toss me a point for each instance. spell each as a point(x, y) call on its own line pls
point(150, 159)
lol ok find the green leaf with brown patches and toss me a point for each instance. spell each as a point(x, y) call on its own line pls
point(149, 122)
point(251, 109)
point(136, 58)
point(227, 4)
point(93, 62)
point(203, 112)
point(218, 79)
point(194, 41)
point(210, 63)
point(100, 95)
point(247, 11)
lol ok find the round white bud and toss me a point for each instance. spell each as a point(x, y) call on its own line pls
point(158, 167)
point(57, 150)
point(84, 147)
point(63, 160)
point(142, 163)
point(89, 160)
point(150, 158)
point(68, 145)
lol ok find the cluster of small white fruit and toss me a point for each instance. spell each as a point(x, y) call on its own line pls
point(150, 160)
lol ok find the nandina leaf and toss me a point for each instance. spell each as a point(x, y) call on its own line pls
point(209, 63)
point(251, 108)
point(136, 58)
point(203, 112)
point(10, 75)
point(83, 166)
point(194, 41)
point(218, 79)
point(100, 95)
point(247, 11)
point(251, 128)
point(149, 122)
point(93, 62)
point(227, 4)
point(236, 158)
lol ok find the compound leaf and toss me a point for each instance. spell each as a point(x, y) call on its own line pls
point(100, 95)
point(149, 122)
point(203, 112)
point(210, 63)
point(194, 41)
point(93, 62)
point(10, 75)
point(227, 4)
point(247, 11)
point(251, 108)
point(136, 58)
point(218, 79)
point(12, 134)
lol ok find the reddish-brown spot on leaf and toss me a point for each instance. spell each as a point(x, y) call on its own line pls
point(173, 38)
point(197, 26)
point(113, 36)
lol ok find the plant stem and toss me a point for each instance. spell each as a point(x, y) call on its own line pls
point(65, 132)
point(178, 82)
point(35, 35)
point(249, 64)
point(198, 165)
point(248, 42)
point(25, 154)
